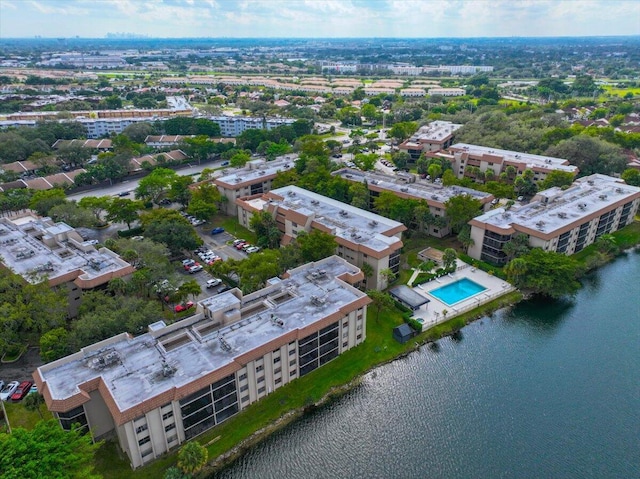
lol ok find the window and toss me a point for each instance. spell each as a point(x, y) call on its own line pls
point(292, 352)
point(260, 379)
point(144, 440)
point(359, 336)
point(345, 344)
point(276, 360)
point(359, 327)
point(292, 373)
point(147, 452)
point(169, 427)
point(142, 428)
point(277, 370)
point(259, 368)
point(261, 390)
point(292, 362)
point(245, 398)
point(172, 439)
point(242, 377)
point(167, 415)
point(278, 381)
point(244, 388)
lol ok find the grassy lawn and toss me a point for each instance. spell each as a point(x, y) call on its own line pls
point(626, 237)
point(20, 417)
point(231, 225)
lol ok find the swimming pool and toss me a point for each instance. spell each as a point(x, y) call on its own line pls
point(459, 291)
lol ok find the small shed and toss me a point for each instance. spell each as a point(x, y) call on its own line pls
point(403, 333)
point(431, 254)
point(408, 297)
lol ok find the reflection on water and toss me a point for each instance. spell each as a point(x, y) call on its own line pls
point(543, 390)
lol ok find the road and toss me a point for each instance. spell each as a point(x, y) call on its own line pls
point(130, 185)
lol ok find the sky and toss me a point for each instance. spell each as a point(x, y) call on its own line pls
point(319, 18)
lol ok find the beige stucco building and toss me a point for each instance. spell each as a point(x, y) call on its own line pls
point(362, 237)
point(565, 221)
point(159, 389)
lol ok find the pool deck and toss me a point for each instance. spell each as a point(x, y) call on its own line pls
point(432, 313)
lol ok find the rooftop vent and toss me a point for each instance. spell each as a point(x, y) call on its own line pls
point(318, 274)
point(603, 197)
point(317, 301)
point(224, 344)
point(291, 193)
point(167, 371)
point(25, 253)
point(105, 360)
point(562, 214)
point(619, 190)
point(404, 190)
point(434, 197)
point(540, 224)
point(343, 213)
point(277, 321)
point(582, 206)
point(590, 182)
point(315, 202)
point(373, 223)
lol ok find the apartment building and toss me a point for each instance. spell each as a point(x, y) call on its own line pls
point(463, 155)
point(362, 237)
point(232, 126)
point(437, 135)
point(39, 249)
point(255, 178)
point(164, 387)
point(446, 91)
point(565, 221)
point(408, 186)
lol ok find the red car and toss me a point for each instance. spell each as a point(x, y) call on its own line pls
point(183, 307)
point(22, 391)
point(240, 245)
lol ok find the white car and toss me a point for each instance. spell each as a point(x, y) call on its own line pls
point(212, 283)
point(8, 390)
point(195, 268)
point(252, 249)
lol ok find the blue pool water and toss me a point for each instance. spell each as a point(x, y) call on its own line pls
point(458, 291)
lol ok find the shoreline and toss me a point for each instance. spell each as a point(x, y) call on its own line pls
point(228, 457)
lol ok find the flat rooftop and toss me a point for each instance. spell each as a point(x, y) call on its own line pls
point(255, 171)
point(434, 131)
point(555, 208)
point(345, 221)
point(530, 160)
point(421, 190)
point(38, 249)
point(132, 368)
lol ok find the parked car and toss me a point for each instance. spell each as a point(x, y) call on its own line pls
point(222, 289)
point(240, 245)
point(238, 241)
point(195, 268)
point(8, 390)
point(224, 163)
point(21, 391)
point(183, 307)
point(253, 249)
point(217, 231)
point(34, 389)
point(246, 246)
point(212, 283)
point(124, 193)
point(188, 263)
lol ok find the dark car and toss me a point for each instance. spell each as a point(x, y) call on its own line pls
point(124, 193)
point(217, 231)
point(22, 391)
point(222, 289)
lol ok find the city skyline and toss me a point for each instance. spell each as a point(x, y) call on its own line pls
point(318, 18)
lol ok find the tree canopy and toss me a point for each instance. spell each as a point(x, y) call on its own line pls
point(47, 450)
point(461, 209)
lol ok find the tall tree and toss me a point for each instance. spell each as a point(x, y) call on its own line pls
point(47, 450)
point(380, 301)
point(316, 245)
point(461, 209)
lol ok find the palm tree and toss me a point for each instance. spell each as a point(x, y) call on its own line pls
point(516, 269)
point(192, 457)
point(449, 258)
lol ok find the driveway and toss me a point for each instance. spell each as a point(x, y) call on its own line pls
point(22, 369)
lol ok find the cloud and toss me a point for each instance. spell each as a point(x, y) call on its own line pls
point(67, 10)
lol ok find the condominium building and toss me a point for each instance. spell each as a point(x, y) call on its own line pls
point(408, 186)
point(437, 135)
point(39, 249)
point(446, 91)
point(565, 221)
point(362, 237)
point(159, 389)
point(232, 126)
point(463, 155)
point(255, 178)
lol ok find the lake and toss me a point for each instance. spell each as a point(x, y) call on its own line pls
point(548, 389)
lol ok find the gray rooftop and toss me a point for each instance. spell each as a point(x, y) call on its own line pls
point(408, 296)
point(38, 248)
point(132, 368)
point(345, 221)
point(555, 208)
point(434, 131)
point(529, 159)
point(257, 170)
point(419, 189)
